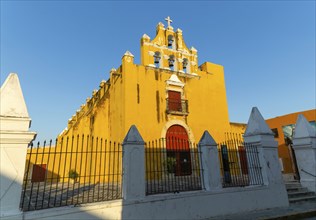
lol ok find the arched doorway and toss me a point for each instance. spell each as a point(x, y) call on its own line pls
point(178, 151)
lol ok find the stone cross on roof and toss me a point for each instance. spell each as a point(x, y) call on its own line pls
point(168, 21)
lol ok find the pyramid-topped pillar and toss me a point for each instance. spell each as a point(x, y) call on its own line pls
point(14, 140)
point(210, 162)
point(259, 135)
point(304, 145)
point(134, 184)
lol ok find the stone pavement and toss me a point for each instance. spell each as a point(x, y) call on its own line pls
point(302, 210)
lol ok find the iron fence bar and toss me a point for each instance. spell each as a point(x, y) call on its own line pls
point(26, 176)
point(110, 177)
point(52, 178)
point(72, 143)
point(31, 193)
point(151, 146)
point(101, 153)
point(85, 170)
point(259, 166)
point(113, 171)
point(58, 177)
point(39, 183)
point(95, 167)
point(73, 187)
point(164, 154)
point(46, 175)
point(160, 157)
point(154, 166)
point(119, 179)
point(253, 160)
point(109, 169)
point(146, 169)
point(181, 180)
point(105, 163)
point(148, 165)
point(80, 170)
point(91, 151)
point(63, 182)
point(120, 169)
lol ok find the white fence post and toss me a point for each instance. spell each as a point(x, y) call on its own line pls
point(210, 170)
point(133, 165)
point(304, 145)
point(260, 135)
point(14, 139)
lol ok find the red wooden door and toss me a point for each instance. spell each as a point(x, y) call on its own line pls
point(177, 144)
point(174, 101)
point(39, 173)
point(243, 159)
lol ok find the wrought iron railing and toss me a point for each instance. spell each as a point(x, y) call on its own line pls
point(177, 106)
point(239, 163)
point(172, 166)
point(76, 170)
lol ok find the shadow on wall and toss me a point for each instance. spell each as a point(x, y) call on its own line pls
point(10, 200)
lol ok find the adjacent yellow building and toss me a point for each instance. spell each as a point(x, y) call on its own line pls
point(283, 128)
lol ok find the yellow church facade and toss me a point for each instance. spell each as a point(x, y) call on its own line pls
point(167, 89)
point(167, 96)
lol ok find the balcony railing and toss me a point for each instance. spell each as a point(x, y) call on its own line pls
point(178, 107)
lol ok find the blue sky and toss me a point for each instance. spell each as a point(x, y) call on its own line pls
point(61, 50)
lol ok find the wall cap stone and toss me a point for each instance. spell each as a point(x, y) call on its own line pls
point(303, 128)
point(207, 140)
point(13, 103)
point(133, 137)
point(257, 125)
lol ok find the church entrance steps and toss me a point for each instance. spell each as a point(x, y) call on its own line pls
point(297, 193)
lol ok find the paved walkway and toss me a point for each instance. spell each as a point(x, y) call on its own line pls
point(303, 210)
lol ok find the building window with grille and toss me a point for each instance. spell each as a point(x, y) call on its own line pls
point(176, 105)
point(174, 101)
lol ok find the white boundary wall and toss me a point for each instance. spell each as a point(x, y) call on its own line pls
point(213, 201)
point(189, 205)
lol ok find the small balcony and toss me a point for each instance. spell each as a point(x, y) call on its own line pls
point(177, 107)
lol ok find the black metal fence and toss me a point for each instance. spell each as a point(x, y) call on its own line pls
point(76, 170)
point(239, 161)
point(172, 166)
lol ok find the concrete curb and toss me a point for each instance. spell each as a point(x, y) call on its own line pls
point(294, 216)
